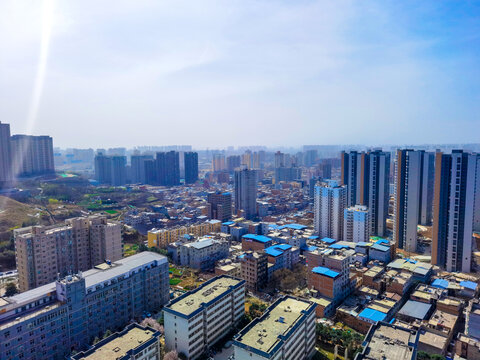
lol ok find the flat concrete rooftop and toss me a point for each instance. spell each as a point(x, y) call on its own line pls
point(277, 321)
point(202, 295)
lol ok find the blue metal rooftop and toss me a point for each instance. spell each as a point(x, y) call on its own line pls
point(440, 283)
point(259, 238)
point(469, 285)
point(325, 271)
point(372, 314)
point(338, 246)
point(277, 250)
point(328, 240)
point(294, 227)
point(382, 248)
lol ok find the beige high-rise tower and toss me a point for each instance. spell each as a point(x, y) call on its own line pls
point(44, 252)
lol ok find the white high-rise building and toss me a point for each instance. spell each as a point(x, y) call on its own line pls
point(330, 201)
point(356, 224)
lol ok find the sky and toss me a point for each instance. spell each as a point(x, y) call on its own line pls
point(239, 72)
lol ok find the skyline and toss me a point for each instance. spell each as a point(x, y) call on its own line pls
point(269, 73)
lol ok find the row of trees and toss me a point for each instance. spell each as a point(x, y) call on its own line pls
point(345, 338)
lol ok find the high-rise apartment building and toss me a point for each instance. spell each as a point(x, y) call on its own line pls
point(279, 159)
point(150, 167)
point(44, 252)
point(246, 192)
point(367, 178)
point(119, 170)
point(5, 156)
point(218, 162)
point(456, 209)
point(356, 224)
point(168, 168)
point(411, 183)
point(111, 170)
point(287, 174)
point(32, 155)
point(329, 205)
point(138, 168)
point(233, 162)
point(191, 167)
point(198, 319)
point(220, 205)
point(51, 321)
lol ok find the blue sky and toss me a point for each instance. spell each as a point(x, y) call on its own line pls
point(218, 73)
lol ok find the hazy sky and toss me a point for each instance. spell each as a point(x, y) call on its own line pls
point(217, 73)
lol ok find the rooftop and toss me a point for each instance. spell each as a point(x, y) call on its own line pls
point(118, 345)
point(259, 238)
point(372, 314)
point(390, 342)
point(325, 271)
point(266, 332)
point(195, 299)
point(276, 250)
point(415, 309)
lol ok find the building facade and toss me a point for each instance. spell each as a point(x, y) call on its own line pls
point(138, 168)
point(246, 192)
point(220, 205)
point(329, 206)
point(254, 266)
point(32, 155)
point(410, 186)
point(367, 178)
point(168, 168)
point(456, 212)
point(51, 321)
point(191, 167)
point(162, 237)
point(44, 252)
point(6, 177)
point(201, 254)
point(198, 319)
point(356, 224)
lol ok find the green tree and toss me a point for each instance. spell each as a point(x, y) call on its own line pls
point(10, 289)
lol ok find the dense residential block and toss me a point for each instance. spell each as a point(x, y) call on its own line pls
point(285, 331)
point(44, 252)
point(52, 320)
point(201, 254)
point(198, 319)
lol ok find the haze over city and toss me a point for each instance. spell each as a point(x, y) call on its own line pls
point(272, 73)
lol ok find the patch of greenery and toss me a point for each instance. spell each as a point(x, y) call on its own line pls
point(175, 281)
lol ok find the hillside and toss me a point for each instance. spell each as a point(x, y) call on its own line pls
point(12, 214)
